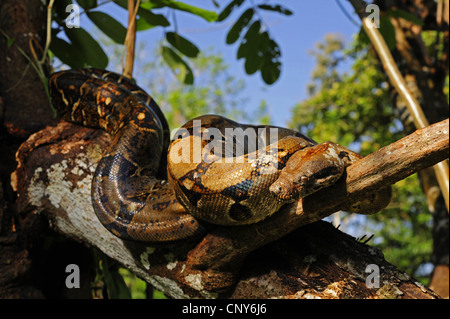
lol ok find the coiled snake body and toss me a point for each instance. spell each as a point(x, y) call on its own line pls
point(209, 180)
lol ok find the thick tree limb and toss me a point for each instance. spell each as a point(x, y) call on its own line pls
point(55, 168)
point(383, 168)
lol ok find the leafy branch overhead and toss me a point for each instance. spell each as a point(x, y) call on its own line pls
point(77, 48)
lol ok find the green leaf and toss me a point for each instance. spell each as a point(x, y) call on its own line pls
point(110, 26)
point(405, 15)
point(270, 72)
point(67, 53)
point(180, 68)
point(153, 19)
point(226, 12)
point(122, 3)
point(252, 62)
point(277, 8)
point(142, 24)
point(363, 37)
point(146, 19)
point(147, 5)
point(271, 65)
point(60, 13)
point(150, 4)
point(115, 284)
point(252, 40)
point(87, 4)
point(10, 42)
point(274, 50)
point(209, 16)
point(242, 51)
point(387, 30)
point(182, 44)
point(88, 47)
point(239, 25)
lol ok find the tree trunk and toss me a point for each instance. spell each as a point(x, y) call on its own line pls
point(53, 177)
point(24, 109)
point(27, 261)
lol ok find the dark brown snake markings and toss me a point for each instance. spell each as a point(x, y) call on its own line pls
point(129, 193)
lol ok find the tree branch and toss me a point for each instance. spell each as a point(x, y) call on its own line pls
point(54, 173)
point(385, 167)
point(130, 38)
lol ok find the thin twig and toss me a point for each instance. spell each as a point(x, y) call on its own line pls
point(130, 39)
point(49, 32)
point(346, 13)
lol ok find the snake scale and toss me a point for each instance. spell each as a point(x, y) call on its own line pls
point(217, 171)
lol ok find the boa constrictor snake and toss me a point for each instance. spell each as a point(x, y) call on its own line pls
point(130, 193)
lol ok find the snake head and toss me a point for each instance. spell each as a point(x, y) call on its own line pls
point(309, 170)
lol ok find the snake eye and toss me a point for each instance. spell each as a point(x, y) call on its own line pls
point(302, 180)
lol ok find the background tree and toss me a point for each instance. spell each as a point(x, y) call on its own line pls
point(29, 245)
point(375, 114)
point(421, 53)
point(360, 101)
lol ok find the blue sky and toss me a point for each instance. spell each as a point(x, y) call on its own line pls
point(295, 34)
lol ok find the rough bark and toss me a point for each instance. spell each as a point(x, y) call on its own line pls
point(24, 109)
point(53, 176)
